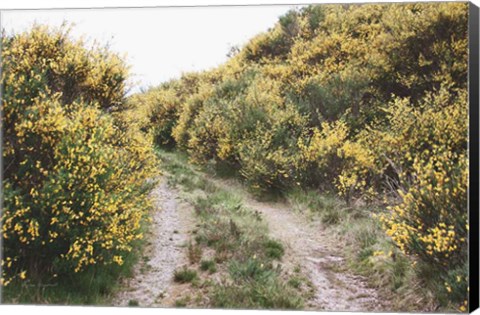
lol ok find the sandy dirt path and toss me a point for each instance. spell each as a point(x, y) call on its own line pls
point(152, 282)
point(307, 245)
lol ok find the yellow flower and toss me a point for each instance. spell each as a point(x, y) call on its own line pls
point(118, 260)
point(23, 275)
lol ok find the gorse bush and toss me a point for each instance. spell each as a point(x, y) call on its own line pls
point(367, 101)
point(431, 222)
point(73, 178)
point(160, 114)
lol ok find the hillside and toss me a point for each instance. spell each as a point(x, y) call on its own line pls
point(367, 102)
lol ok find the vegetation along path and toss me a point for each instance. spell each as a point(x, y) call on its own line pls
point(308, 246)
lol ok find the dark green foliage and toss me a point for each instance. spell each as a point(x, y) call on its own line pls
point(274, 249)
point(185, 275)
point(208, 265)
point(133, 303)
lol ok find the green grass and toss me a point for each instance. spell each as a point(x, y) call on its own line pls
point(295, 282)
point(208, 265)
point(194, 253)
point(182, 302)
point(328, 207)
point(133, 303)
point(90, 287)
point(274, 249)
point(185, 275)
point(271, 293)
point(181, 173)
point(222, 169)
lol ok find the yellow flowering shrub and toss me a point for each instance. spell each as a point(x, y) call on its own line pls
point(269, 157)
point(192, 106)
point(245, 123)
point(160, 108)
point(73, 180)
point(329, 156)
point(319, 149)
point(359, 164)
point(431, 222)
point(426, 150)
point(434, 223)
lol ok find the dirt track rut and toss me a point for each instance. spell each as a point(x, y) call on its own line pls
point(152, 281)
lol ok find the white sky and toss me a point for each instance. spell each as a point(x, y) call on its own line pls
point(160, 43)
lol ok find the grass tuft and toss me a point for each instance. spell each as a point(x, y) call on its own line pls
point(274, 249)
point(182, 302)
point(185, 275)
point(133, 303)
point(208, 265)
point(194, 253)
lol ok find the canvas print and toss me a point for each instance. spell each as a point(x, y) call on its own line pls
point(301, 157)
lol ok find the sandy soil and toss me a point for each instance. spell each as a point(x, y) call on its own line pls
point(317, 254)
point(152, 282)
